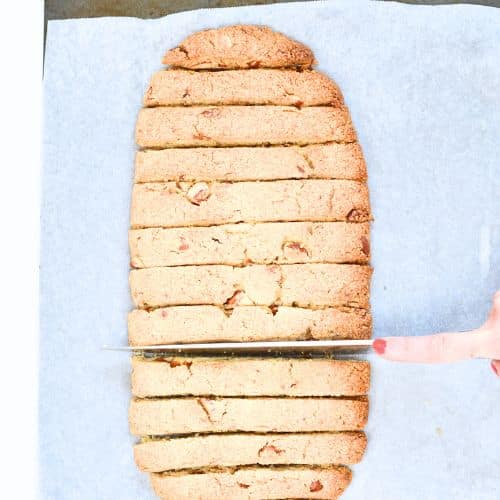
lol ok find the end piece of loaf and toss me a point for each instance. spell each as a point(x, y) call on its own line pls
point(239, 46)
point(252, 483)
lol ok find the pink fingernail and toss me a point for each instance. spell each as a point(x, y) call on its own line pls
point(379, 346)
point(495, 369)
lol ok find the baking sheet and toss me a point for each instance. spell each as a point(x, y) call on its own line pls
point(423, 86)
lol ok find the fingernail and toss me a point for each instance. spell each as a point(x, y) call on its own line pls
point(495, 369)
point(379, 346)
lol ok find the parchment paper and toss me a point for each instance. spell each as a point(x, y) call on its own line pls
point(423, 86)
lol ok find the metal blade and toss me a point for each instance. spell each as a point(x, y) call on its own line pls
point(297, 346)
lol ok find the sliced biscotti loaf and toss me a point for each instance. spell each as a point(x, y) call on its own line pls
point(317, 161)
point(239, 46)
point(254, 483)
point(236, 244)
point(159, 417)
point(249, 377)
point(302, 285)
point(185, 324)
point(230, 450)
point(170, 127)
point(249, 222)
point(172, 204)
point(262, 86)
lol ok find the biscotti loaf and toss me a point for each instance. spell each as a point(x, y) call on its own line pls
point(249, 221)
point(170, 127)
point(171, 204)
point(158, 417)
point(178, 324)
point(229, 450)
point(239, 46)
point(263, 86)
point(254, 483)
point(317, 161)
point(236, 244)
point(248, 377)
point(302, 285)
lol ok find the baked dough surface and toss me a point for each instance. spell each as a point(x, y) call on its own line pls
point(249, 221)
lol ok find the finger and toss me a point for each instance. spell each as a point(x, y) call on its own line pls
point(440, 348)
point(495, 366)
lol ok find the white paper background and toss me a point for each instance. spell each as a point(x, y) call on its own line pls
point(423, 86)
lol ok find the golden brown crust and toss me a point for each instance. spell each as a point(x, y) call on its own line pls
point(219, 196)
point(237, 244)
point(172, 204)
point(159, 417)
point(239, 46)
point(252, 483)
point(242, 87)
point(249, 377)
point(320, 161)
point(231, 450)
point(184, 324)
point(191, 126)
point(302, 285)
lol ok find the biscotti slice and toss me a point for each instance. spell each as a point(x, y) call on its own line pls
point(236, 244)
point(158, 417)
point(170, 127)
point(239, 46)
point(317, 161)
point(230, 450)
point(185, 324)
point(249, 377)
point(174, 204)
point(262, 86)
point(254, 483)
point(302, 285)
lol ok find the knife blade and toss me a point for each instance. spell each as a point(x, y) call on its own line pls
point(271, 347)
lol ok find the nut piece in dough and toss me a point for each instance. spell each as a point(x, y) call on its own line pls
point(198, 193)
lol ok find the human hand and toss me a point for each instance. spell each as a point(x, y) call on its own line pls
point(448, 347)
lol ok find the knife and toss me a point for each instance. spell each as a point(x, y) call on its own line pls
point(269, 347)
